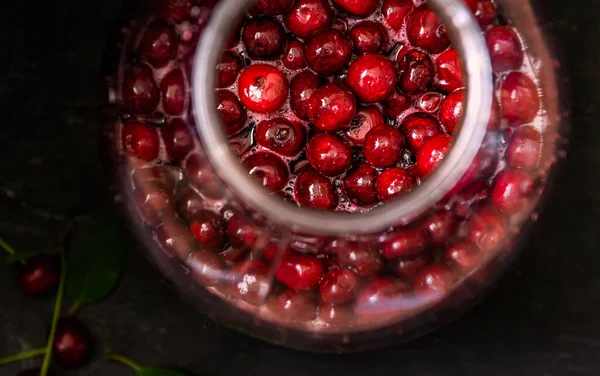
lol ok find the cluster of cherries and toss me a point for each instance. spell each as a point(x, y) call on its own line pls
point(72, 346)
point(335, 105)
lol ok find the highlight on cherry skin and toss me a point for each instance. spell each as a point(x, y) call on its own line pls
point(337, 106)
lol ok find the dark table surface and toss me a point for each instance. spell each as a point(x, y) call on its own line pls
point(544, 319)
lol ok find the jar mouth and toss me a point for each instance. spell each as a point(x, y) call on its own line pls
point(463, 30)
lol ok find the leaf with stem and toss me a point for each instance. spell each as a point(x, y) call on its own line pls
point(142, 371)
point(22, 356)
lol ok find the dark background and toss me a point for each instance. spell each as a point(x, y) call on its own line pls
point(544, 319)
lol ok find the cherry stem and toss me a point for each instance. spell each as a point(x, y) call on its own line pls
point(7, 247)
point(74, 308)
point(22, 356)
point(121, 359)
point(57, 309)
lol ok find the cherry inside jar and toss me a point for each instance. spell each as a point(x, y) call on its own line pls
point(331, 106)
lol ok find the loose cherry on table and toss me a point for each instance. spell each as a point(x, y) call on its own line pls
point(72, 345)
point(39, 276)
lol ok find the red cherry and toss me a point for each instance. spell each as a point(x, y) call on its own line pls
point(396, 104)
point(485, 13)
point(293, 55)
point(452, 110)
point(366, 119)
point(178, 139)
point(202, 176)
point(395, 12)
point(465, 202)
point(432, 153)
point(328, 52)
point(382, 295)
point(315, 191)
point(302, 87)
point(394, 182)
point(328, 154)
point(140, 140)
point(382, 146)
point(415, 72)
point(357, 256)
point(72, 346)
point(250, 281)
point(369, 37)
point(407, 267)
point(154, 202)
point(228, 69)
point(331, 108)
point(274, 7)
point(372, 78)
point(293, 305)
point(172, 88)
point(208, 229)
point(361, 8)
point(281, 135)
point(505, 48)
point(440, 227)
point(232, 113)
point(140, 93)
point(244, 233)
point(524, 148)
point(263, 88)
point(429, 102)
point(158, 45)
point(419, 127)
point(449, 71)
point(175, 10)
point(359, 185)
point(511, 189)
point(461, 256)
point(268, 169)
point(471, 4)
point(307, 17)
point(425, 31)
point(435, 280)
point(487, 229)
point(39, 276)
point(299, 272)
point(404, 243)
point(519, 97)
point(338, 286)
point(263, 38)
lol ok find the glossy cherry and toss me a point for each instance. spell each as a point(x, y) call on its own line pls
point(242, 232)
point(302, 87)
point(404, 243)
point(434, 282)
point(361, 8)
point(281, 135)
point(263, 88)
point(407, 267)
point(485, 13)
point(429, 102)
point(394, 182)
point(440, 226)
point(39, 276)
point(372, 78)
point(208, 229)
point(465, 202)
point(366, 119)
point(462, 256)
point(449, 71)
point(202, 176)
point(338, 286)
point(331, 107)
point(140, 93)
point(524, 148)
point(519, 98)
point(511, 190)
point(396, 104)
point(307, 17)
point(357, 256)
point(395, 12)
point(452, 110)
point(328, 52)
point(263, 38)
point(505, 48)
point(369, 37)
point(299, 272)
point(293, 54)
point(315, 191)
point(382, 295)
point(419, 127)
point(382, 146)
point(232, 113)
point(487, 229)
point(140, 140)
point(228, 69)
point(425, 31)
point(72, 346)
point(328, 154)
point(273, 7)
point(178, 139)
point(415, 72)
point(173, 92)
point(175, 10)
point(293, 305)
point(359, 185)
point(268, 169)
point(158, 44)
point(432, 153)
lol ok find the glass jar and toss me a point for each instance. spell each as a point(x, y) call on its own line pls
point(323, 256)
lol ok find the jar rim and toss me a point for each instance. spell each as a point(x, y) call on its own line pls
point(463, 30)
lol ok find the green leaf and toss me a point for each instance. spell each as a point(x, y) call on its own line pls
point(95, 259)
point(157, 371)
